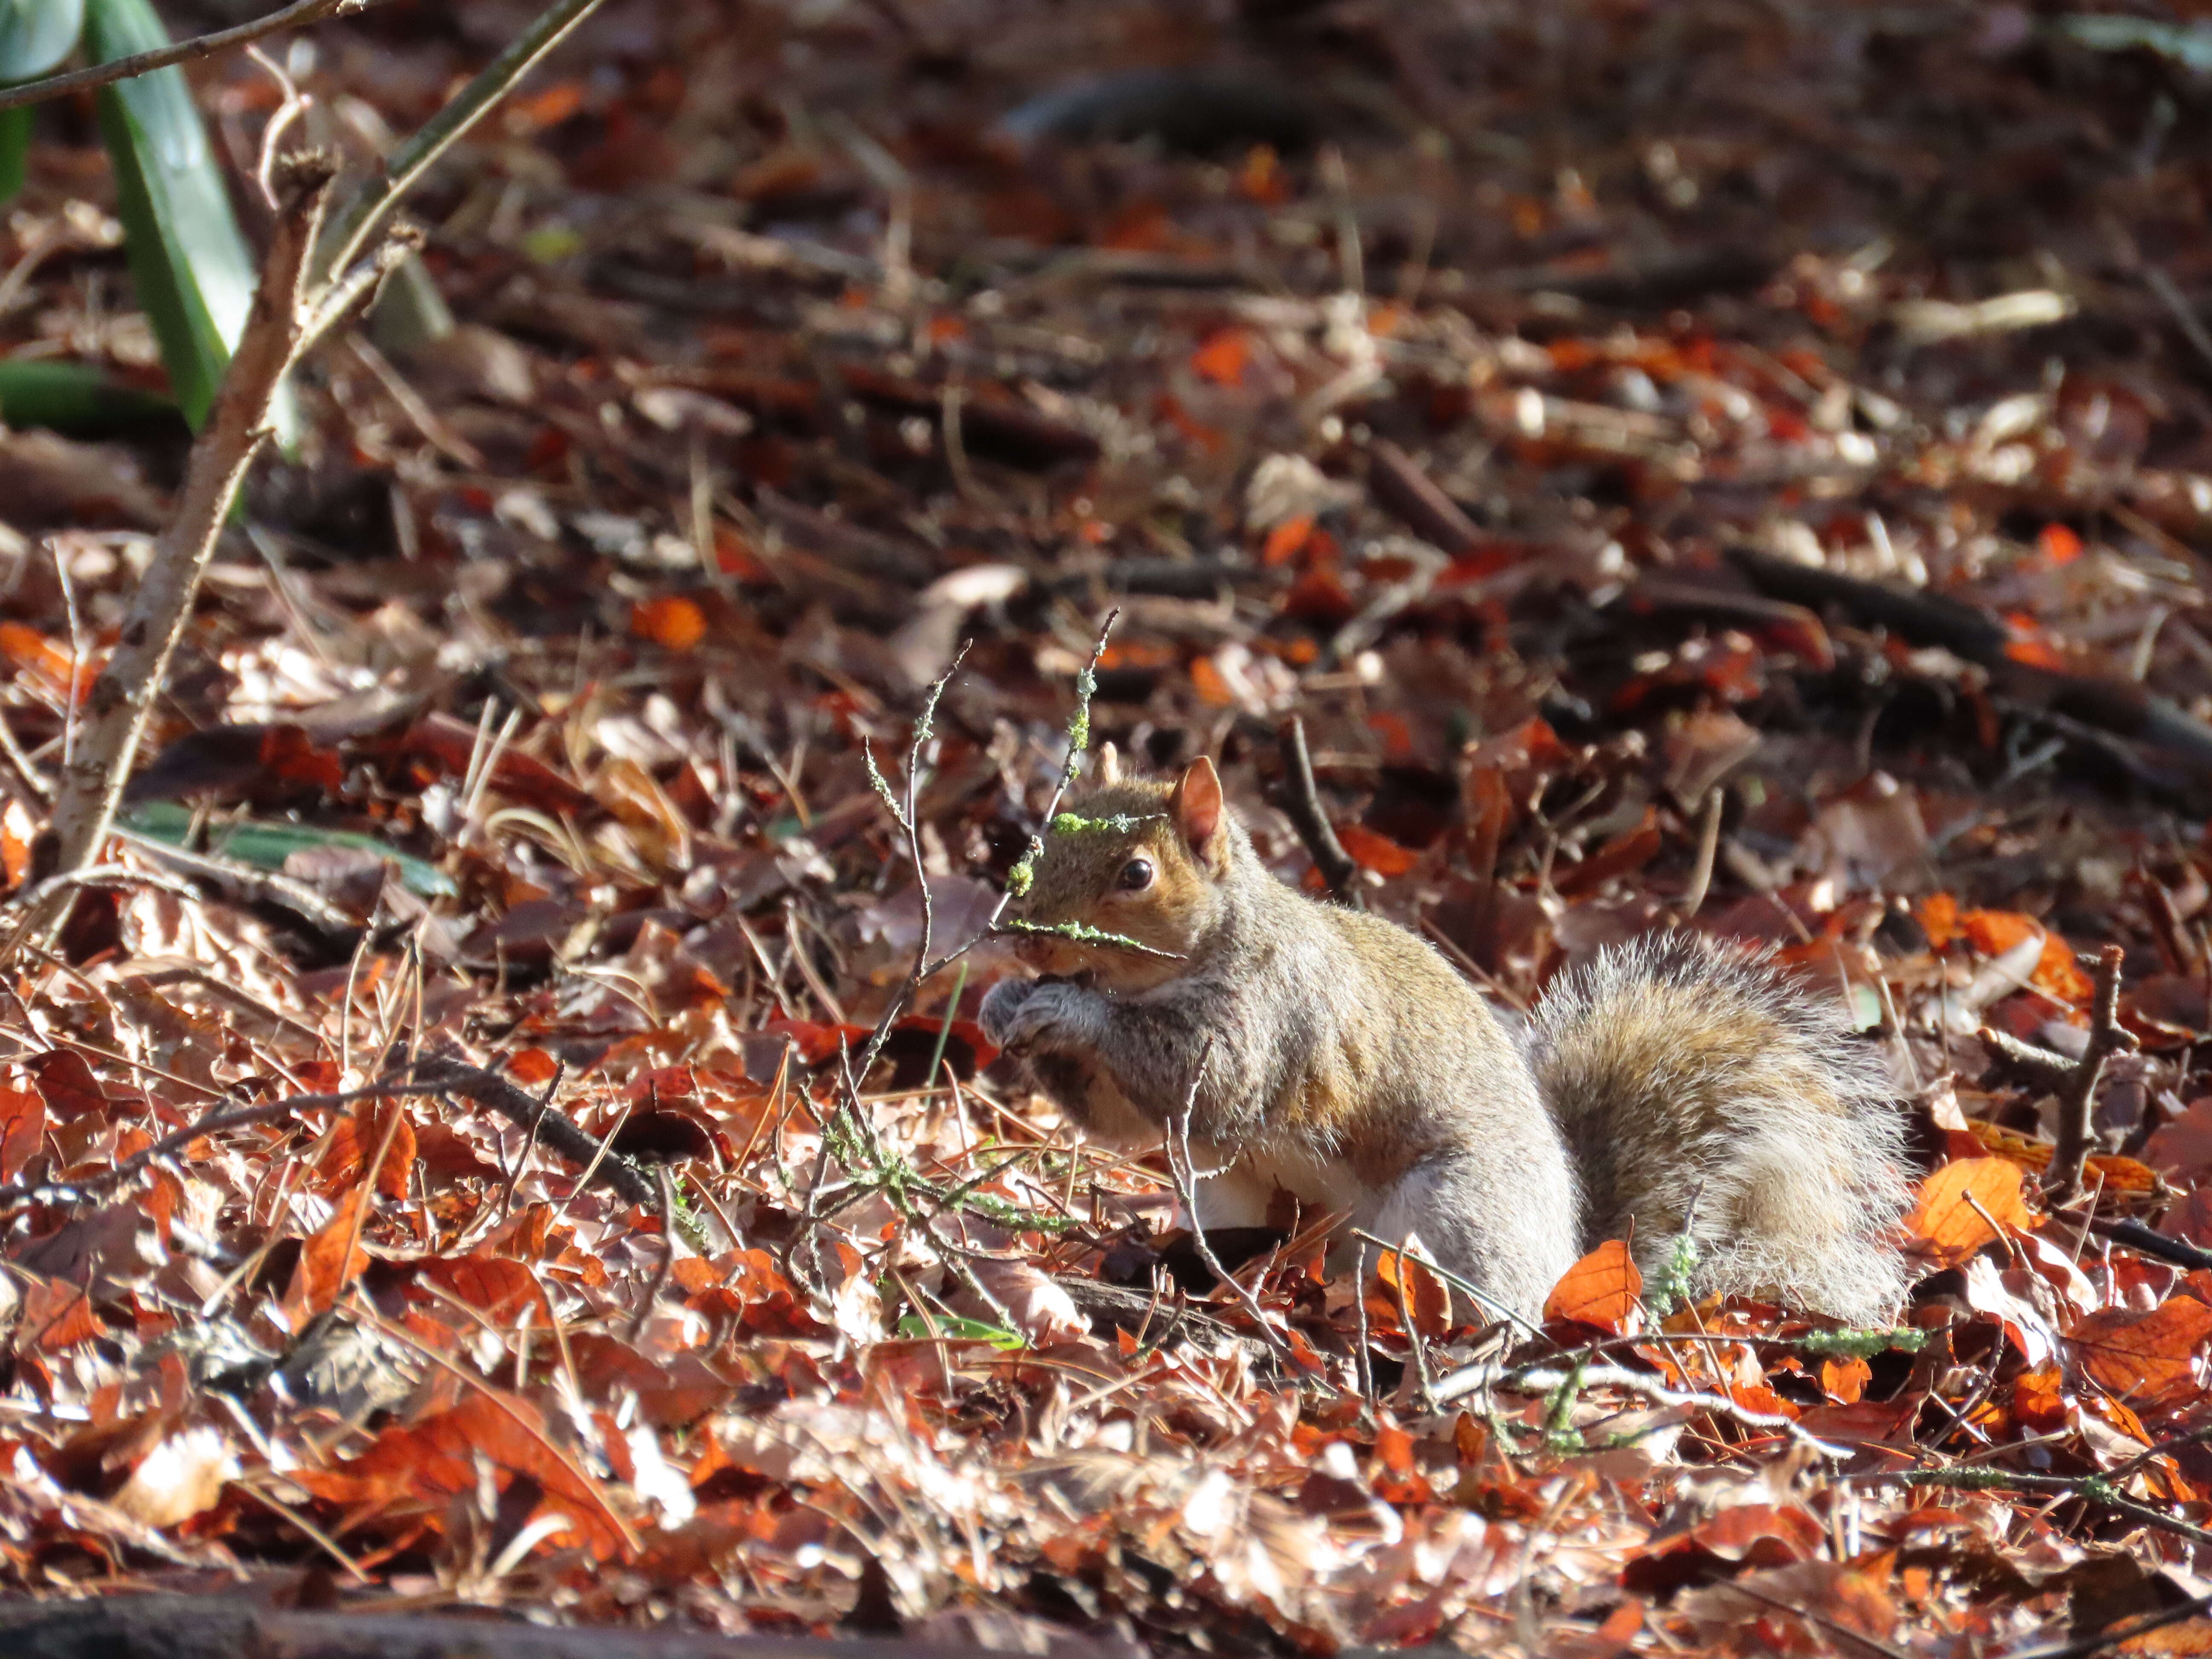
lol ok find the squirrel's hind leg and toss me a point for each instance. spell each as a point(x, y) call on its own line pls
point(1510, 1231)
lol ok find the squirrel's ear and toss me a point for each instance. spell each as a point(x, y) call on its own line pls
point(1110, 765)
point(1196, 808)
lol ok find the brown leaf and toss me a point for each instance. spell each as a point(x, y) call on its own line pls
point(2147, 1358)
point(439, 1457)
point(494, 1286)
point(22, 1128)
point(66, 1082)
point(359, 1137)
point(1039, 1309)
point(1422, 1291)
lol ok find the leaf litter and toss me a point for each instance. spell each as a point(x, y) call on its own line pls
point(1685, 465)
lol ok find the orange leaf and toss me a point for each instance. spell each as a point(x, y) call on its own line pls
point(37, 655)
point(56, 1316)
point(1205, 680)
point(1945, 1226)
point(2057, 543)
point(1993, 932)
point(1845, 1380)
point(2038, 1400)
point(671, 620)
point(1599, 1290)
point(1424, 1293)
point(328, 1261)
point(2035, 653)
point(1284, 540)
point(493, 1286)
point(1223, 356)
point(359, 1137)
point(1377, 852)
point(2117, 1175)
point(555, 105)
point(439, 1457)
point(18, 829)
point(22, 1128)
point(531, 1066)
point(2149, 1358)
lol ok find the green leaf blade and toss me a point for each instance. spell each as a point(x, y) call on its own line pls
point(75, 399)
point(35, 35)
point(194, 275)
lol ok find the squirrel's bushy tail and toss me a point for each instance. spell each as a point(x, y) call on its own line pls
point(1695, 1084)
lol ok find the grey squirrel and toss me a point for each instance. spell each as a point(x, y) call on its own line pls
point(1675, 1085)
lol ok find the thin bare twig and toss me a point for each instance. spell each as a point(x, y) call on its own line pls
point(905, 816)
point(432, 1076)
point(1708, 843)
point(1425, 1385)
point(1184, 1172)
point(298, 15)
point(1301, 799)
point(357, 222)
point(666, 1271)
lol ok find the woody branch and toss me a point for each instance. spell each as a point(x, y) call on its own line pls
point(288, 316)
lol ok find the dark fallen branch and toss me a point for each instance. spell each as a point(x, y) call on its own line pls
point(556, 1130)
point(187, 1626)
point(2119, 707)
point(851, 545)
point(1172, 579)
point(1963, 630)
point(2148, 1241)
point(428, 1076)
point(1662, 278)
point(1796, 626)
point(2074, 1081)
point(1401, 487)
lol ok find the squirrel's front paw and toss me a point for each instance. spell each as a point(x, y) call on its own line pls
point(1000, 1004)
point(1042, 1012)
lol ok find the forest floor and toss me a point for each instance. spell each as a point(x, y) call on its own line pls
point(1713, 464)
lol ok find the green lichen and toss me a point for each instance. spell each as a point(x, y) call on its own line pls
point(1118, 823)
point(1861, 1344)
point(1083, 933)
point(1078, 724)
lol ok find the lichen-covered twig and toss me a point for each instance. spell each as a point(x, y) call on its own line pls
point(1083, 933)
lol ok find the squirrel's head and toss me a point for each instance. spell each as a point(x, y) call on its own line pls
point(1140, 860)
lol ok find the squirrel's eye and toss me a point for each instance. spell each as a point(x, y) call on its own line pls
point(1136, 876)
